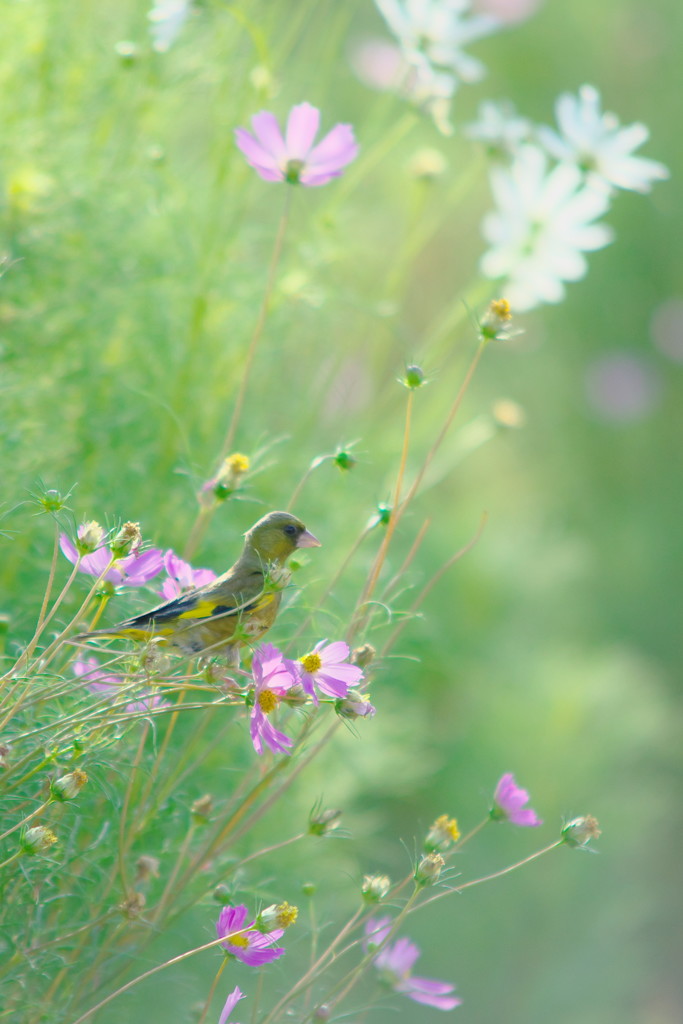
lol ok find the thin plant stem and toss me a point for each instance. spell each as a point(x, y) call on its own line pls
point(28, 817)
point(206, 512)
point(212, 991)
point(360, 613)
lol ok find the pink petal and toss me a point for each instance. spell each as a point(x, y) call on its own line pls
point(230, 1004)
point(262, 161)
point(335, 151)
point(268, 133)
point(302, 127)
point(338, 650)
point(68, 549)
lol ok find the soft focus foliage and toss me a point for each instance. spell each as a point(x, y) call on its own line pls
point(135, 248)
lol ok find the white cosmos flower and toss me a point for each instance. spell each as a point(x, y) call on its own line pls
point(166, 19)
point(500, 128)
point(435, 31)
point(598, 145)
point(542, 225)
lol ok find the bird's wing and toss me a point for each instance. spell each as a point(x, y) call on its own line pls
point(223, 597)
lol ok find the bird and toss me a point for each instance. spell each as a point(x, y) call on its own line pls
point(235, 608)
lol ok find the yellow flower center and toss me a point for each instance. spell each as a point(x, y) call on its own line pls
point(238, 463)
point(448, 825)
point(286, 914)
point(268, 701)
point(501, 308)
point(311, 662)
point(238, 940)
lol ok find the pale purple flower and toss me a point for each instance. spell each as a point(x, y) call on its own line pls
point(508, 803)
point(273, 676)
point(182, 577)
point(134, 570)
point(395, 963)
point(596, 142)
point(294, 158)
point(243, 941)
point(230, 1004)
point(327, 669)
point(97, 681)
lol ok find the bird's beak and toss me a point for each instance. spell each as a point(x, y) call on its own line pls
point(307, 540)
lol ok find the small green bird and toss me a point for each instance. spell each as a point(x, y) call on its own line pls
point(235, 608)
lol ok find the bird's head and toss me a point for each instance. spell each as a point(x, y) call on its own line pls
point(274, 537)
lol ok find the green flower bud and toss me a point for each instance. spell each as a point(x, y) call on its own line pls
point(375, 888)
point(580, 831)
point(37, 840)
point(67, 787)
point(414, 377)
point(429, 869)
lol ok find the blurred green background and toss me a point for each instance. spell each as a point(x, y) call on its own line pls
point(137, 241)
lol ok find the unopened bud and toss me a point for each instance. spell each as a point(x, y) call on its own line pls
point(281, 915)
point(146, 867)
point(202, 809)
point(319, 824)
point(127, 540)
point(442, 834)
point(90, 537)
point(229, 476)
point(354, 705)
point(37, 839)
point(133, 905)
point(295, 696)
point(127, 52)
point(309, 889)
point(222, 894)
point(495, 324)
point(428, 871)
point(67, 787)
point(322, 1013)
point(413, 378)
point(344, 460)
point(363, 655)
point(52, 501)
point(580, 831)
point(375, 888)
point(381, 517)
point(428, 164)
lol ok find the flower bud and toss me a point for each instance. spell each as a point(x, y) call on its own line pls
point(580, 831)
point(428, 871)
point(414, 378)
point(495, 324)
point(67, 787)
point(222, 894)
point(52, 501)
point(442, 834)
point(363, 655)
point(428, 164)
point(380, 518)
point(354, 705)
point(344, 460)
point(133, 905)
point(375, 888)
point(322, 822)
point(37, 839)
point(127, 540)
point(322, 1013)
point(295, 696)
point(146, 867)
point(127, 52)
point(90, 537)
point(202, 809)
point(228, 478)
point(309, 889)
point(281, 915)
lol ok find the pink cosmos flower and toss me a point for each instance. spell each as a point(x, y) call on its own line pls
point(326, 667)
point(230, 1004)
point(182, 577)
point(273, 675)
point(395, 963)
point(243, 941)
point(295, 159)
point(508, 803)
point(134, 570)
point(97, 681)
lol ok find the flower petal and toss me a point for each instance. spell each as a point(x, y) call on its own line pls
point(302, 127)
point(335, 151)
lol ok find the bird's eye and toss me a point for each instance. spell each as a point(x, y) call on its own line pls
point(291, 530)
